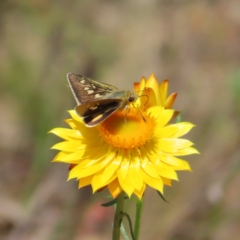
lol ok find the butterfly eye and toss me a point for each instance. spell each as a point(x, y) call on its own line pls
point(132, 97)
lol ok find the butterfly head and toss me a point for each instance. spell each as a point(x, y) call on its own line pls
point(132, 97)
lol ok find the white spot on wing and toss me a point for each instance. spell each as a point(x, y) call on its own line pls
point(90, 91)
point(97, 96)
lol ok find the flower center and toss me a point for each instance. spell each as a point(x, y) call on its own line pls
point(127, 130)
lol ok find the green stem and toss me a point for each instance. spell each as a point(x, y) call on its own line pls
point(118, 216)
point(138, 217)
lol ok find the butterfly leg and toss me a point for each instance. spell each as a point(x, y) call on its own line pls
point(126, 111)
point(139, 111)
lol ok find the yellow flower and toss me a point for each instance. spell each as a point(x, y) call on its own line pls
point(128, 151)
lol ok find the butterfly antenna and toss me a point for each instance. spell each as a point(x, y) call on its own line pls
point(139, 111)
point(145, 104)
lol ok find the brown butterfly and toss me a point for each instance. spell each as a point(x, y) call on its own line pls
point(97, 101)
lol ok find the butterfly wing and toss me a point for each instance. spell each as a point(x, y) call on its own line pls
point(96, 101)
point(94, 113)
point(87, 90)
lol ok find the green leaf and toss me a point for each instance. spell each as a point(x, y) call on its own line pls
point(161, 195)
point(112, 202)
point(130, 225)
point(179, 117)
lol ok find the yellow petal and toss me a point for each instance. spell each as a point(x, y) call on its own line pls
point(75, 157)
point(124, 168)
point(174, 130)
point(153, 182)
point(66, 133)
point(170, 101)
point(114, 188)
point(111, 169)
point(95, 155)
point(85, 181)
point(162, 116)
point(126, 184)
point(60, 157)
point(163, 89)
point(172, 145)
point(71, 123)
point(140, 192)
point(148, 98)
point(149, 168)
point(173, 161)
point(97, 182)
point(167, 181)
point(68, 146)
point(75, 116)
point(152, 83)
point(83, 130)
point(136, 86)
point(135, 172)
point(165, 171)
point(80, 172)
point(142, 84)
point(185, 167)
point(70, 158)
point(162, 169)
point(186, 151)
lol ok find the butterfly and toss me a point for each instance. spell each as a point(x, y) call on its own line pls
point(97, 101)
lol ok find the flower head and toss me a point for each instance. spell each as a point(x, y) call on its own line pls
point(129, 150)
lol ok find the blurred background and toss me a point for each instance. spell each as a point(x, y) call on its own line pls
point(194, 44)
